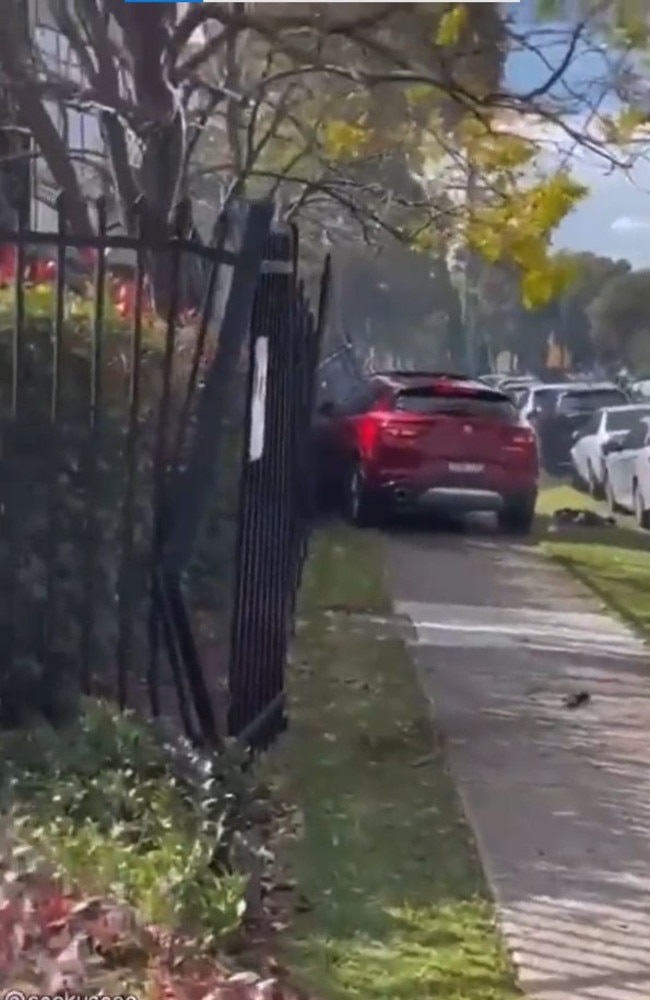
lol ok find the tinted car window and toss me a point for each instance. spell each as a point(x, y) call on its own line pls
point(636, 437)
point(480, 404)
point(593, 425)
point(575, 402)
point(625, 420)
point(545, 399)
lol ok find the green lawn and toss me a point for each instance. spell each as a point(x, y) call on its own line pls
point(614, 562)
point(396, 904)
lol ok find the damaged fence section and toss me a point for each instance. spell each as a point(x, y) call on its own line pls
point(155, 414)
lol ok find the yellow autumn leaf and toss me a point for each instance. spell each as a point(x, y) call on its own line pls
point(419, 94)
point(518, 228)
point(451, 25)
point(622, 128)
point(503, 152)
point(423, 241)
point(344, 141)
point(632, 31)
point(485, 239)
point(471, 129)
point(556, 198)
point(536, 288)
point(539, 285)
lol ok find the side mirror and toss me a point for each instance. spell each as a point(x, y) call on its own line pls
point(576, 436)
point(326, 408)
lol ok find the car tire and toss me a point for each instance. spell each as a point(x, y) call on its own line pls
point(593, 487)
point(612, 506)
point(576, 480)
point(361, 506)
point(517, 517)
point(641, 513)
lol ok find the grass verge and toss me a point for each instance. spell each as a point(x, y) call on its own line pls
point(614, 562)
point(395, 903)
point(345, 573)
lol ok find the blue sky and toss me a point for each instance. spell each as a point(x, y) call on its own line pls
point(615, 218)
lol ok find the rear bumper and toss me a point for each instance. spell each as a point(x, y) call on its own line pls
point(463, 499)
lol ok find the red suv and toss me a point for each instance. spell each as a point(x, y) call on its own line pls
point(417, 440)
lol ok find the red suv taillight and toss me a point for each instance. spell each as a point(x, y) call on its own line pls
point(367, 434)
point(521, 444)
point(522, 437)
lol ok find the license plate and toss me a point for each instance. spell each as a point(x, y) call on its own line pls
point(466, 467)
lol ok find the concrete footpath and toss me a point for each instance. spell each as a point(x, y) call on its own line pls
point(559, 798)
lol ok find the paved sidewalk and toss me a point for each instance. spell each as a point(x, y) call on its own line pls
point(559, 799)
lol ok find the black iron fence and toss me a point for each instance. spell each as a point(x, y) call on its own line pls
point(154, 467)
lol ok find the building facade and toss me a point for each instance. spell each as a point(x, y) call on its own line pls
point(80, 129)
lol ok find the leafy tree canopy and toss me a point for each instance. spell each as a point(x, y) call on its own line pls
point(388, 120)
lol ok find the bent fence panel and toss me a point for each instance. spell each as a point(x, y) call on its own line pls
point(150, 536)
point(275, 482)
point(97, 392)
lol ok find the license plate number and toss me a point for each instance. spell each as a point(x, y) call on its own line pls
point(466, 467)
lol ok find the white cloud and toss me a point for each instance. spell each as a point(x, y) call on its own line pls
point(628, 224)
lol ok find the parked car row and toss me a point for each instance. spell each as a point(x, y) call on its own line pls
point(558, 410)
point(426, 441)
point(595, 440)
point(399, 441)
point(611, 458)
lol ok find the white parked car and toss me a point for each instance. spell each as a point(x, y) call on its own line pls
point(611, 423)
point(534, 399)
point(627, 473)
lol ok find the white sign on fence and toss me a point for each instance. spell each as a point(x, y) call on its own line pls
point(258, 400)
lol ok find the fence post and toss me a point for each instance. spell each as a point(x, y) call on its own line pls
point(260, 631)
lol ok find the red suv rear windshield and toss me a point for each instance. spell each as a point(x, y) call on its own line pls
point(484, 404)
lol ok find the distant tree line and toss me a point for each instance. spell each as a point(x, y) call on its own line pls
point(408, 306)
point(603, 314)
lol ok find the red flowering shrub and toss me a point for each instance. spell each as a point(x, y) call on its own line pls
point(53, 943)
point(42, 271)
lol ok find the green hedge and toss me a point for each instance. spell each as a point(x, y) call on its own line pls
point(168, 842)
point(45, 472)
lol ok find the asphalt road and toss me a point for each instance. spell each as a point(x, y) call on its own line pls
point(557, 797)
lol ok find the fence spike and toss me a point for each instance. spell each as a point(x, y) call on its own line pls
point(60, 203)
point(101, 211)
point(138, 215)
point(182, 219)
